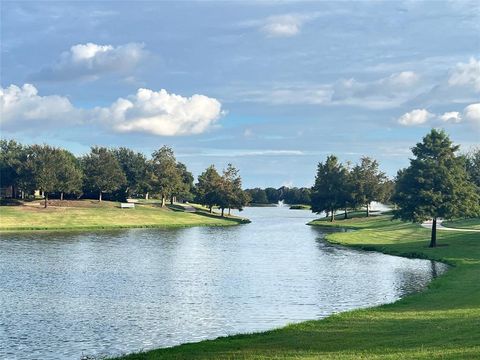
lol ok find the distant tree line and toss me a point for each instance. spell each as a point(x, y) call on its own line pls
point(286, 194)
point(116, 174)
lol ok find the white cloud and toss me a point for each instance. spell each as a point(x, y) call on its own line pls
point(466, 74)
point(161, 113)
point(285, 25)
point(451, 116)
point(415, 117)
point(472, 113)
point(22, 107)
point(402, 80)
point(148, 111)
point(89, 61)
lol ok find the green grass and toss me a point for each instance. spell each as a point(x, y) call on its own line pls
point(473, 223)
point(104, 215)
point(443, 322)
point(300, 207)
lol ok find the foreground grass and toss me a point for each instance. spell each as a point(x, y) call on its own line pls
point(463, 223)
point(442, 322)
point(105, 215)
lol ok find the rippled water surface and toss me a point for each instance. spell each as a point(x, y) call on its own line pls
point(64, 295)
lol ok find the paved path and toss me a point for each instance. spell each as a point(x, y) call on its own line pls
point(428, 225)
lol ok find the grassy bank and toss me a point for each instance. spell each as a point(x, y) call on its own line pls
point(88, 214)
point(439, 323)
point(463, 223)
point(300, 207)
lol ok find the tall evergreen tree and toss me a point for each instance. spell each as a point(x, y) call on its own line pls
point(435, 185)
point(103, 173)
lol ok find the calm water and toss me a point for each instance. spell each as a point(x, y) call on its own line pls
point(67, 295)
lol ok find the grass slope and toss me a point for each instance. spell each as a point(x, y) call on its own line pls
point(463, 223)
point(105, 215)
point(442, 322)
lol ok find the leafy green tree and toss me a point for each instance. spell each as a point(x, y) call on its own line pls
point(103, 173)
point(231, 195)
point(258, 196)
point(473, 166)
point(367, 182)
point(208, 187)
point(70, 178)
point(327, 192)
point(12, 158)
point(273, 195)
point(134, 166)
point(167, 179)
point(186, 188)
point(435, 185)
point(43, 162)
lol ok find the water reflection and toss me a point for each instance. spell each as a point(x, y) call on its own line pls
point(64, 295)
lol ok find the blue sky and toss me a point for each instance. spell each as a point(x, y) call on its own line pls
point(271, 86)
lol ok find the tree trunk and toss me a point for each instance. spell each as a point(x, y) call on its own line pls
point(45, 196)
point(346, 214)
point(433, 240)
point(223, 211)
point(368, 209)
point(210, 207)
point(163, 201)
point(332, 217)
point(146, 196)
point(100, 196)
point(61, 196)
point(228, 211)
point(171, 199)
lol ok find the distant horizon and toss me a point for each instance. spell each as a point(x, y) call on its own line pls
point(272, 87)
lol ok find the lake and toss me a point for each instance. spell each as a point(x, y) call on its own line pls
point(66, 295)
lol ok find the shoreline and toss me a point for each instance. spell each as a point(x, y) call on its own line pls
point(28, 219)
point(449, 304)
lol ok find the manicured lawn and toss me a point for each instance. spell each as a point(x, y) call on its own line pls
point(442, 322)
point(105, 215)
point(463, 223)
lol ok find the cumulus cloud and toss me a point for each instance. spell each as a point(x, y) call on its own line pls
point(89, 61)
point(161, 113)
point(451, 116)
point(466, 74)
point(148, 111)
point(415, 117)
point(22, 107)
point(472, 113)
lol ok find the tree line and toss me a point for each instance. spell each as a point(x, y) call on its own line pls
point(286, 194)
point(118, 173)
point(438, 183)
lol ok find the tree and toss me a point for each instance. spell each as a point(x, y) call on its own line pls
point(367, 182)
point(273, 195)
point(134, 166)
point(70, 177)
point(435, 185)
point(12, 158)
point(473, 166)
point(327, 193)
point(258, 196)
point(231, 195)
point(102, 170)
point(167, 178)
point(208, 186)
point(185, 190)
point(42, 162)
